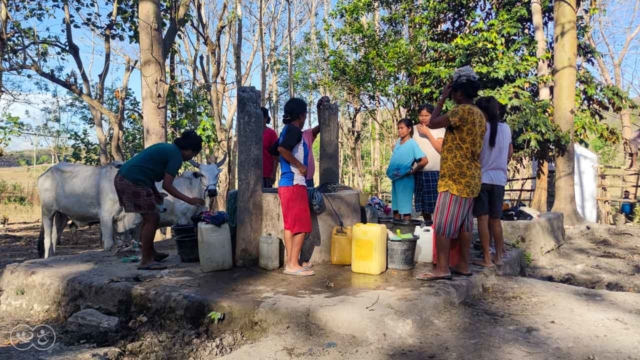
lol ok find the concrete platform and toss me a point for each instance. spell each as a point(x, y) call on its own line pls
point(253, 300)
point(538, 236)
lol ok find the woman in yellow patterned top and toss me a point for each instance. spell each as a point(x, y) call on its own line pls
point(460, 172)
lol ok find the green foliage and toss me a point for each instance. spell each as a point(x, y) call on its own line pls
point(189, 108)
point(607, 153)
point(13, 194)
point(44, 159)
point(10, 126)
point(410, 53)
point(84, 149)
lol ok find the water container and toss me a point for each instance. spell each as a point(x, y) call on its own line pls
point(386, 221)
point(426, 241)
point(401, 253)
point(405, 227)
point(214, 245)
point(369, 249)
point(341, 245)
point(187, 248)
point(271, 252)
point(178, 230)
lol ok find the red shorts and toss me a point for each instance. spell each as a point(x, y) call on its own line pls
point(295, 208)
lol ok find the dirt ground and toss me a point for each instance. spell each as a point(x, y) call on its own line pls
point(514, 318)
point(595, 257)
point(19, 242)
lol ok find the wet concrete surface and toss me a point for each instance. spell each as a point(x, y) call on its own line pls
point(251, 298)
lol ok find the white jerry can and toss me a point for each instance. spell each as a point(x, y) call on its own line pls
point(424, 246)
point(271, 252)
point(214, 247)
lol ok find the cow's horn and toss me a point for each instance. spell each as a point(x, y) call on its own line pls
point(194, 163)
point(221, 162)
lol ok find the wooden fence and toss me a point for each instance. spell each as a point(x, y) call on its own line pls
point(612, 183)
point(520, 190)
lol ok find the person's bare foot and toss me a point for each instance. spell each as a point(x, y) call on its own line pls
point(482, 263)
point(459, 271)
point(158, 256)
point(307, 265)
point(433, 276)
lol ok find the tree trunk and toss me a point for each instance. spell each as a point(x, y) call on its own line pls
point(4, 16)
point(263, 56)
point(539, 201)
point(565, 55)
point(153, 73)
point(102, 138)
point(238, 47)
point(376, 151)
point(117, 150)
point(540, 195)
point(290, 58)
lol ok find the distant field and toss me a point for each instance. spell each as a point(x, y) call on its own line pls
point(22, 174)
point(23, 178)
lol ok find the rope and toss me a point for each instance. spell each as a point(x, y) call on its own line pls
point(332, 188)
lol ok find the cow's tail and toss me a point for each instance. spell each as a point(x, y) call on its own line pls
point(41, 241)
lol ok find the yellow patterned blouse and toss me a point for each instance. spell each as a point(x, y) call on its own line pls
point(460, 171)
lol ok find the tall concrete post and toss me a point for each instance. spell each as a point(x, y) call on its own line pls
point(329, 143)
point(249, 213)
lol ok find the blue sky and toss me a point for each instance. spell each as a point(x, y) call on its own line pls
point(93, 61)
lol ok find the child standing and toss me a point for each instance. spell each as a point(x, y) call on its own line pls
point(401, 170)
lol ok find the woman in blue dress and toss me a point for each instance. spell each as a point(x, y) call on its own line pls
point(407, 159)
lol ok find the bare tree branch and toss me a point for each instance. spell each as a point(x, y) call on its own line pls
point(176, 24)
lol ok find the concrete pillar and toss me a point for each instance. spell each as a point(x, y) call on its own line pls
point(329, 143)
point(249, 213)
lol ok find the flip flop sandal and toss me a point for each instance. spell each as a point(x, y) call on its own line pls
point(152, 266)
point(308, 266)
point(299, 272)
point(456, 272)
point(431, 277)
point(160, 256)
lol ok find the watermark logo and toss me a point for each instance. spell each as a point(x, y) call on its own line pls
point(41, 337)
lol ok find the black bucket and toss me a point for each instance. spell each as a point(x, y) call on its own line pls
point(188, 248)
point(386, 221)
point(401, 253)
point(179, 230)
point(405, 227)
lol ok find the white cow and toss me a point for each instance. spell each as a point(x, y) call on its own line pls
point(202, 184)
point(67, 192)
point(84, 194)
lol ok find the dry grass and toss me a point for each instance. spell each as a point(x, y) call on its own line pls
point(26, 177)
point(22, 174)
point(19, 214)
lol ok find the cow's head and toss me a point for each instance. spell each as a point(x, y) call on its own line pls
point(208, 175)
